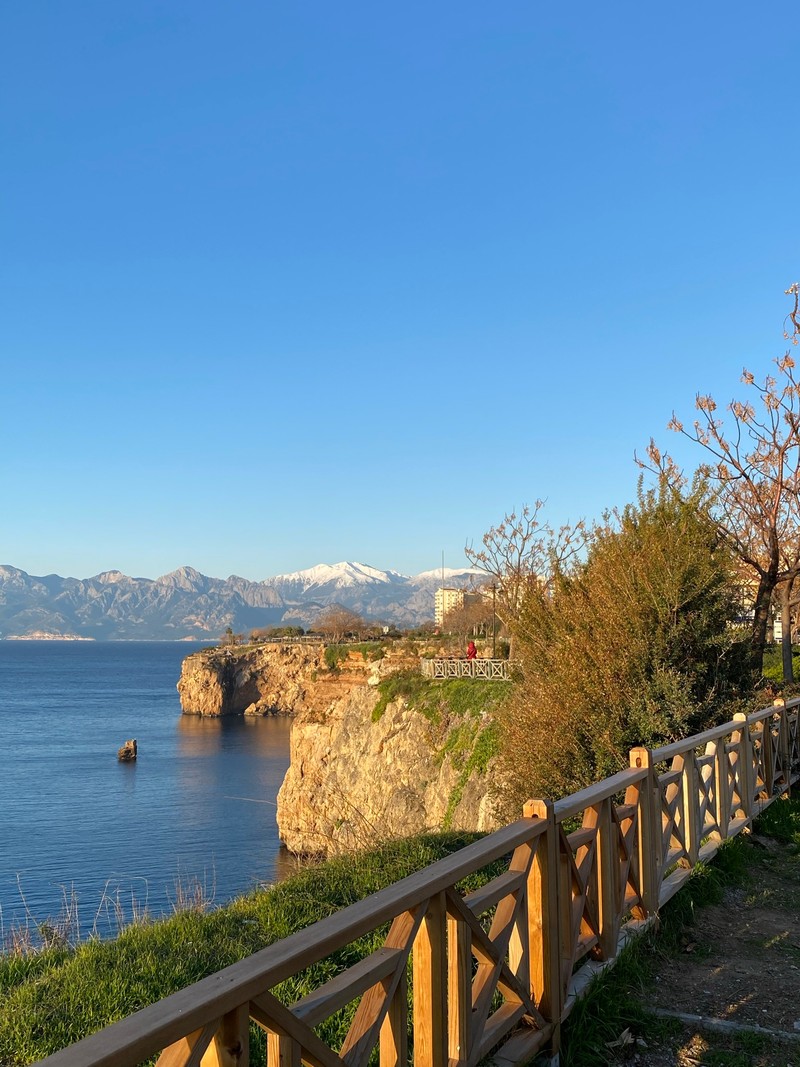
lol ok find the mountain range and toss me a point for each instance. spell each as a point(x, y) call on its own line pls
point(188, 605)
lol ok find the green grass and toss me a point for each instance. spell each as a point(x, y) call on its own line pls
point(55, 997)
point(773, 664)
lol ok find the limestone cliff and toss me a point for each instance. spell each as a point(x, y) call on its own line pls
point(354, 781)
point(262, 680)
point(360, 772)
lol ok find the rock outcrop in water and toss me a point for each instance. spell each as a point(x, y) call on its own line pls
point(127, 753)
point(355, 778)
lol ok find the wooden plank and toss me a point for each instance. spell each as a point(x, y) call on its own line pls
point(282, 1051)
point(581, 838)
point(519, 962)
point(593, 794)
point(430, 987)
point(722, 790)
point(784, 747)
point(364, 1032)
point(648, 840)
point(689, 744)
point(334, 994)
point(276, 1018)
point(486, 952)
point(394, 1031)
point(459, 989)
point(607, 868)
point(545, 918)
point(690, 795)
point(367, 1024)
point(498, 1025)
point(747, 769)
point(188, 1051)
point(480, 900)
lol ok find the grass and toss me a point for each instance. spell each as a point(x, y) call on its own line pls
point(54, 997)
point(615, 1004)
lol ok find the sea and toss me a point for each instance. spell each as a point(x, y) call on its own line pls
point(92, 842)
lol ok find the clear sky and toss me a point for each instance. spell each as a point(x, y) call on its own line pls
point(290, 283)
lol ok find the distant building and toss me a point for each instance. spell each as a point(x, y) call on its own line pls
point(448, 600)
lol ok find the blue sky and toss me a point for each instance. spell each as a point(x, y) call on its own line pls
point(295, 283)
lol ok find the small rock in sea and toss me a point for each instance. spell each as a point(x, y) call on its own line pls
point(127, 752)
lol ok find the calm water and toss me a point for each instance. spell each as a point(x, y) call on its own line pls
point(199, 803)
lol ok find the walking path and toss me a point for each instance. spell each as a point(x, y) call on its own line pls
point(730, 995)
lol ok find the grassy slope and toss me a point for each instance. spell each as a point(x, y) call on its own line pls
point(54, 998)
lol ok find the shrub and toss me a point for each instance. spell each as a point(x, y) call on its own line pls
point(631, 646)
point(336, 654)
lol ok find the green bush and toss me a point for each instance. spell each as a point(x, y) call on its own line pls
point(632, 645)
point(370, 650)
point(336, 654)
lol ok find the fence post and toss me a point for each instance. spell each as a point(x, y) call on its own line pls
point(394, 1031)
point(722, 786)
point(746, 770)
point(649, 836)
point(459, 989)
point(784, 752)
point(607, 866)
point(430, 987)
point(230, 1046)
point(544, 920)
point(768, 761)
point(690, 790)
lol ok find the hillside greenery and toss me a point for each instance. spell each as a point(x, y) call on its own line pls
point(53, 998)
point(462, 713)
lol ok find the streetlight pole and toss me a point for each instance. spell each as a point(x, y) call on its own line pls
point(494, 624)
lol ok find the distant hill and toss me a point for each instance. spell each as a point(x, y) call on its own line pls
point(188, 605)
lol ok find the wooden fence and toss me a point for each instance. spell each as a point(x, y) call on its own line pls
point(491, 669)
point(498, 969)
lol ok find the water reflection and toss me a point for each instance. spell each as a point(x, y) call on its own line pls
point(200, 735)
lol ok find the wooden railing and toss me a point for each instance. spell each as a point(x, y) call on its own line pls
point(496, 970)
point(493, 669)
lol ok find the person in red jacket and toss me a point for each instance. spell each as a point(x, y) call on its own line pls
point(472, 651)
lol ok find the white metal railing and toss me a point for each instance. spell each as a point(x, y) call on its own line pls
point(490, 669)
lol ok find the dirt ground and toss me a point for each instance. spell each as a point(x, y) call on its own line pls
point(739, 963)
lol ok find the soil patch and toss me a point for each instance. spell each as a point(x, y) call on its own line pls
point(739, 963)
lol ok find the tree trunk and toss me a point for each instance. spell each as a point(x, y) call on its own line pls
point(786, 632)
point(766, 585)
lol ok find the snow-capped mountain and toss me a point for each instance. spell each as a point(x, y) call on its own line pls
point(188, 604)
point(328, 576)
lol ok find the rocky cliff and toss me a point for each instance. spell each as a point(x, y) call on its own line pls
point(362, 769)
point(354, 781)
point(258, 680)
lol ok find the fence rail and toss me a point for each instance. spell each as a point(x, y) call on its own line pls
point(498, 969)
point(493, 669)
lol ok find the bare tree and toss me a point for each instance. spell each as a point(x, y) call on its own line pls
point(473, 617)
point(522, 551)
point(753, 471)
point(336, 622)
